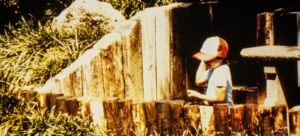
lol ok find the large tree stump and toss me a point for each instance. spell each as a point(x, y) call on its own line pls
point(192, 119)
point(43, 99)
point(207, 120)
point(72, 106)
point(221, 115)
point(125, 108)
point(163, 117)
point(294, 114)
point(251, 120)
point(279, 113)
point(265, 120)
point(61, 104)
point(177, 120)
point(236, 119)
point(112, 115)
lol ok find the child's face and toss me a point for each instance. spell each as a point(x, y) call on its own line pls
point(211, 64)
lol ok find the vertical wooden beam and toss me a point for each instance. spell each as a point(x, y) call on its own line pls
point(177, 117)
point(163, 117)
point(149, 53)
point(221, 114)
point(265, 120)
point(250, 119)
point(125, 107)
point(236, 119)
point(192, 119)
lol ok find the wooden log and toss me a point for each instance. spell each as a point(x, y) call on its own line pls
point(112, 67)
point(151, 117)
point(250, 119)
point(85, 108)
point(112, 115)
point(61, 104)
point(72, 106)
point(53, 99)
point(177, 117)
point(192, 119)
point(265, 120)
point(207, 120)
point(43, 99)
point(97, 112)
point(125, 107)
point(27, 96)
point(279, 113)
point(163, 117)
point(139, 119)
point(149, 53)
point(236, 119)
point(294, 114)
point(132, 55)
point(221, 114)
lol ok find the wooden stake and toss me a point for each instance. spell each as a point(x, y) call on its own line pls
point(294, 114)
point(85, 108)
point(125, 108)
point(72, 106)
point(151, 117)
point(177, 120)
point(280, 120)
point(112, 115)
point(139, 119)
point(43, 99)
point(207, 120)
point(221, 115)
point(61, 104)
point(251, 120)
point(236, 119)
point(163, 117)
point(53, 99)
point(192, 119)
point(265, 120)
point(27, 95)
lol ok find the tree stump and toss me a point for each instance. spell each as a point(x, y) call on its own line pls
point(139, 119)
point(221, 115)
point(251, 120)
point(163, 117)
point(294, 114)
point(112, 115)
point(151, 117)
point(265, 120)
point(72, 106)
point(61, 104)
point(279, 113)
point(236, 119)
point(43, 99)
point(125, 108)
point(192, 119)
point(26, 95)
point(177, 120)
point(53, 99)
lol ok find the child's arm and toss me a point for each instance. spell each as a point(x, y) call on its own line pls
point(202, 74)
point(219, 97)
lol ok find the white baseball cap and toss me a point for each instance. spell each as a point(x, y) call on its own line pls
point(212, 48)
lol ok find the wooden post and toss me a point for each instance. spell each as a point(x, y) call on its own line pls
point(139, 119)
point(61, 104)
point(27, 95)
point(251, 120)
point(163, 117)
point(97, 112)
point(125, 108)
point(151, 117)
point(43, 99)
point(85, 108)
point(53, 99)
point(236, 119)
point(192, 119)
point(279, 113)
point(72, 106)
point(207, 120)
point(112, 115)
point(265, 120)
point(221, 115)
point(294, 114)
point(177, 120)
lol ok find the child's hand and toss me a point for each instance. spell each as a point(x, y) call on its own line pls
point(192, 93)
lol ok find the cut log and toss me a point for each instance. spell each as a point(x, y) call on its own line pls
point(265, 120)
point(53, 99)
point(112, 115)
point(294, 114)
point(177, 117)
point(251, 120)
point(61, 104)
point(192, 119)
point(221, 115)
point(44, 99)
point(125, 107)
point(207, 120)
point(163, 117)
point(236, 119)
point(72, 106)
point(279, 113)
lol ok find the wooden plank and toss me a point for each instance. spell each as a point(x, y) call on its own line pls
point(92, 78)
point(236, 119)
point(112, 66)
point(162, 33)
point(192, 119)
point(177, 117)
point(207, 120)
point(132, 56)
point(265, 120)
point(251, 120)
point(125, 107)
point(149, 53)
point(163, 117)
point(111, 113)
point(221, 114)
point(279, 113)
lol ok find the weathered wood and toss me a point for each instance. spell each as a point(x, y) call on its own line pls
point(112, 115)
point(43, 99)
point(207, 120)
point(132, 55)
point(265, 120)
point(149, 53)
point(162, 33)
point(279, 114)
point(112, 67)
point(61, 104)
point(250, 119)
point(265, 29)
point(177, 117)
point(236, 119)
point(125, 107)
point(163, 117)
point(221, 115)
point(53, 99)
point(85, 108)
point(151, 117)
point(192, 119)
point(97, 112)
point(92, 79)
point(294, 114)
point(139, 119)
point(72, 106)
point(27, 95)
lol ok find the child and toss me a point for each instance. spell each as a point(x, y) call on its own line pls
point(213, 71)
